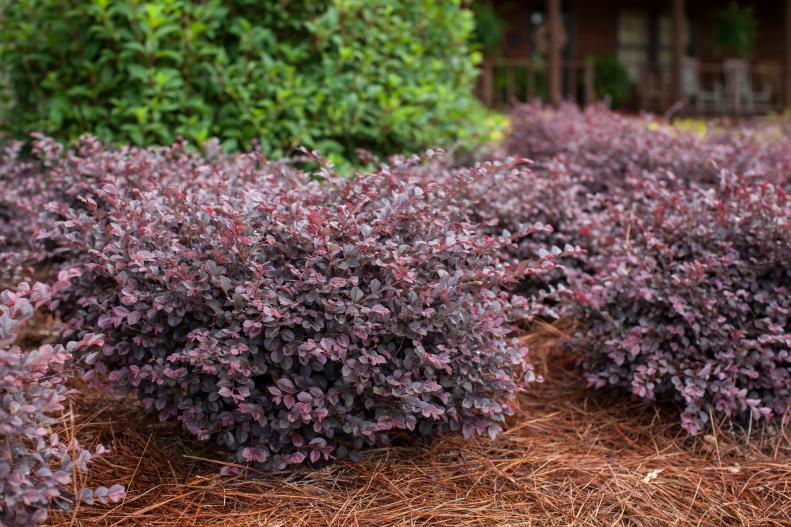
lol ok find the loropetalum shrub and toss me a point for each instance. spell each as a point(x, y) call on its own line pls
point(293, 319)
point(682, 293)
point(22, 190)
point(516, 194)
point(37, 464)
point(600, 147)
point(69, 177)
point(329, 74)
point(692, 302)
point(586, 162)
point(582, 161)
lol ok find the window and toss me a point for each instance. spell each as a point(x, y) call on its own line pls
point(634, 38)
point(664, 58)
point(646, 39)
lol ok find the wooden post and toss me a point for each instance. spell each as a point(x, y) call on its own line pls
point(510, 87)
point(531, 81)
point(787, 59)
point(678, 48)
point(571, 83)
point(736, 87)
point(488, 83)
point(553, 59)
point(590, 91)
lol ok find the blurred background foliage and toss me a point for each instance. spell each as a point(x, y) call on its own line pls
point(489, 27)
point(735, 30)
point(335, 75)
point(611, 79)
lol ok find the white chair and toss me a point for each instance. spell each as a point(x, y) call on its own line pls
point(739, 91)
point(705, 101)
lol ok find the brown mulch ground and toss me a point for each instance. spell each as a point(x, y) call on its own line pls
point(571, 457)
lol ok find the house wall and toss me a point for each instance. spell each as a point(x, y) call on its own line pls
point(591, 28)
point(769, 45)
point(595, 25)
point(771, 31)
point(515, 15)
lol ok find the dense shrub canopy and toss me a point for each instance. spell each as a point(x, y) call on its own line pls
point(683, 292)
point(52, 174)
point(693, 302)
point(588, 161)
point(546, 196)
point(330, 74)
point(292, 319)
point(36, 465)
point(22, 192)
point(601, 148)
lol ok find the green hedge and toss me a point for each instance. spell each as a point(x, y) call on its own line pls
point(385, 75)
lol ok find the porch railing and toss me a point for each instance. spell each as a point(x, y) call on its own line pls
point(717, 88)
point(504, 81)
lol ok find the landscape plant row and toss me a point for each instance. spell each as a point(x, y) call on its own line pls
point(287, 317)
point(683, 292)
point(691, 302)
point(37, 464)
point(293, 317)
point(601, 147)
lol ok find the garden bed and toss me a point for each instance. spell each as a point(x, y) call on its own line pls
point(375, 313)
point(571, 456)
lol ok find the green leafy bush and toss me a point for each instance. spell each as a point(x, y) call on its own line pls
point(335, 75)
point(735, 29)
point(611, 79)
point(489, 27)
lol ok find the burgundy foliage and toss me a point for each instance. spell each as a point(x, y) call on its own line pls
point(52, 174)
point(36, 465)
point(543, 209)
point(22, 190)
point(600, 147)
point(293, 319)
point(542, 195)
point(683, 294)
point(693, 302)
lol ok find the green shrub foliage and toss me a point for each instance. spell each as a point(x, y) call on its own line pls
point(612, 79)
point(336, 75)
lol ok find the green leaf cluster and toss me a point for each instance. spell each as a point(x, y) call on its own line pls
point(611, 79)
point(384, 75)
point(735, 30)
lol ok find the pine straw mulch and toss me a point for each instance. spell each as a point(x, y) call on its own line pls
point(571, 457)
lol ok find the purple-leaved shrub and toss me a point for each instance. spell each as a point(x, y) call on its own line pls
point(36, 465)
point(600, 147)
point(587, 162)
point(692, 301)
point(22, 191)
point(292, 318)
point(683, 291)
point(548, 197)
point(541, 209)
point(54, 174)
